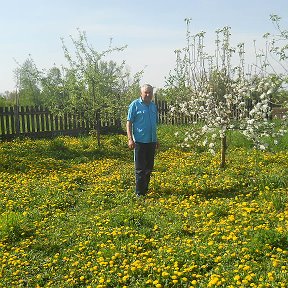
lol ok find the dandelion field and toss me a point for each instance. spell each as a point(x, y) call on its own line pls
point(69, 217)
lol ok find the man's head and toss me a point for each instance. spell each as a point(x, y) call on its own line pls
point(147, 93)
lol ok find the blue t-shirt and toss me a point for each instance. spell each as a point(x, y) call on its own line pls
point(144, 120)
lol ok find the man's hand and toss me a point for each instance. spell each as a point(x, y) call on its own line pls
point(131, 144)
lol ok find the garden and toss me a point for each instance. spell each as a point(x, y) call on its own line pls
point(216, 214)
point(69, 216)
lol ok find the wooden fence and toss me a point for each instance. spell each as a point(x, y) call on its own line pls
point(39, 122)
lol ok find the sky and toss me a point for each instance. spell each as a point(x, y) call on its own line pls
point(151, 29)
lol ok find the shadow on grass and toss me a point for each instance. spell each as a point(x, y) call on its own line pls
point(207, 194)
point(18, 158)
point(113, 149)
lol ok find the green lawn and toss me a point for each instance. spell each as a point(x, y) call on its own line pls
point(69, 217)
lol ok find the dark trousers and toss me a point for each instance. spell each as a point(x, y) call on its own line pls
point(144, 154)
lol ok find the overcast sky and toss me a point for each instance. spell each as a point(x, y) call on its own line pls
point(151, 29)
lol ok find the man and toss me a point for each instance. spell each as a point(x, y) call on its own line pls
point(142, 137)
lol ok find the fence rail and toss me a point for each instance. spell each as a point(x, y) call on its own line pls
point(39, 122)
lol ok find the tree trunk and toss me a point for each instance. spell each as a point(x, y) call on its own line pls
point(98, 126)
point(223, 151)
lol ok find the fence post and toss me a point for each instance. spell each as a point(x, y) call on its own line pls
point(17, 120)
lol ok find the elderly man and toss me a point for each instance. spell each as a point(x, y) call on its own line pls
point(142, 137)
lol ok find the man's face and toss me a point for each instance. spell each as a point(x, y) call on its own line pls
point(146, 95)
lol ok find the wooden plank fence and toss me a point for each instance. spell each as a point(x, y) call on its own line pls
point(39, 122)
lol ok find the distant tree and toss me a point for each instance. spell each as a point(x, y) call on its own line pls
point(54, 92)
point(8, 98)
point(28, 82)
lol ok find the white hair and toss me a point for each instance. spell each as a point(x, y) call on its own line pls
point(147, 86)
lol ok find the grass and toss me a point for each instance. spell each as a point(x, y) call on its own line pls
point(69, 217)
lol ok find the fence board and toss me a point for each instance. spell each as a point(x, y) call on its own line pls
point(2, 126)
point(47, 120)
point(22, 119)
point(7, 125)
point(41, 119)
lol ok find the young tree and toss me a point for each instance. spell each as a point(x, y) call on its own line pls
point(91, 83)
point(221, 97)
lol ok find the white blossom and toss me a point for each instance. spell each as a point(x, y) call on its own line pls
point(214, 136)
point(212, 151)
point(262, 147)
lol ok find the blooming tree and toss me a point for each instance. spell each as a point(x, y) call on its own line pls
point(219, 97)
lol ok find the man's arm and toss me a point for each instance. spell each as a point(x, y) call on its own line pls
point(131, 143)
